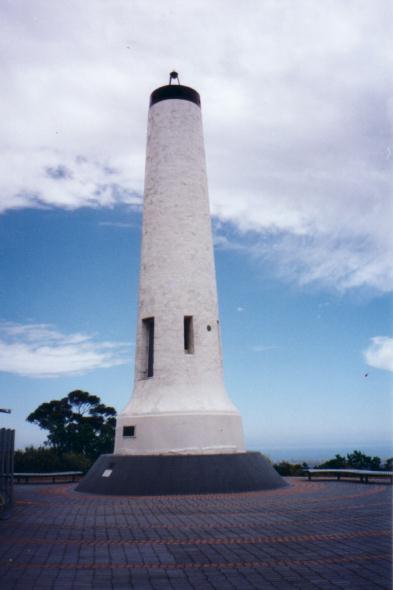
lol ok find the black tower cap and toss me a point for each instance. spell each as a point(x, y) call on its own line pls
point(175, 91)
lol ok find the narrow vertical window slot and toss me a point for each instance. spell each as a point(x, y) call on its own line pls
point(148, 329)
point(188, 334)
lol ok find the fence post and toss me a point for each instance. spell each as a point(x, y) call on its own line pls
point(7, 438)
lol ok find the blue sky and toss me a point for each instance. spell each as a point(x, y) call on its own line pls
point(296, 116)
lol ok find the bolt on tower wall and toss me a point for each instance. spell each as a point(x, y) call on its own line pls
point(179, 403)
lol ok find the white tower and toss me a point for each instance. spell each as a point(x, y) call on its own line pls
point(180, 433)
point(179, 404)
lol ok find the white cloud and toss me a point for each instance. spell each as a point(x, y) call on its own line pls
point(262, 348)
point(380, 353)
point(297, 116)
point(50, 178)
point(39, 350)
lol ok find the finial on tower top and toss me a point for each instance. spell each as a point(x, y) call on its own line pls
point(174, 76)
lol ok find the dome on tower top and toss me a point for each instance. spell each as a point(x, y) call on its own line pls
point(175, 91)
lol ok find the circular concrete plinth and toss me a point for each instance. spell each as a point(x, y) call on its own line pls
point(152, 475)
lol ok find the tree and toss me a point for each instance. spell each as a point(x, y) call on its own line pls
point(78, 423)
point(354, 460)
point(338, 462)
point(288, 469)
point(358, 460)
point(47, 460)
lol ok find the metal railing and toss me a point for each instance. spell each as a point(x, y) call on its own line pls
point(7, 438)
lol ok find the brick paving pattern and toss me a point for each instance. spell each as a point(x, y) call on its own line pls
point(312, 535)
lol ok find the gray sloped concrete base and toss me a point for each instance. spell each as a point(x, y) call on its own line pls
point(152, 475)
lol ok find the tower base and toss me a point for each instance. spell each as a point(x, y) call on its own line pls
point(159, 475)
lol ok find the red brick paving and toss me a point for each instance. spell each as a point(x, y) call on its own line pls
point(311, 535)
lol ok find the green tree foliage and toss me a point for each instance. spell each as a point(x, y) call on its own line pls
point(77, 423)
point(286, 469)
point(354, 460)
point(338, 462)
point(358, 460)
point(46, 460)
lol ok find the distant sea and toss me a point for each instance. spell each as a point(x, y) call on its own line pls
point(313, 456)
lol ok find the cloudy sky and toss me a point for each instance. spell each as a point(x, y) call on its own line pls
point(297, 110)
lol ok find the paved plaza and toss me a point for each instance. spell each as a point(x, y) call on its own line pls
point(310, 535)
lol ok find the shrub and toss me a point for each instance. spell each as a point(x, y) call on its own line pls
point(354, 460)
point(44, 460)
point(76, 462)
point(288, 469)
point(338, 462)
